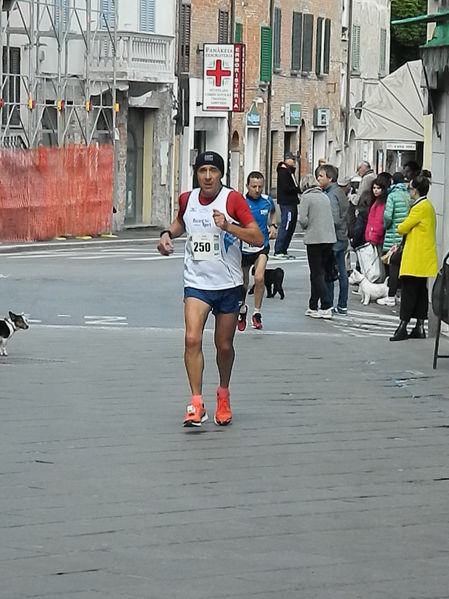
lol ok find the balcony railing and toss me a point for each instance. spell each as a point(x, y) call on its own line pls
point(140, 56)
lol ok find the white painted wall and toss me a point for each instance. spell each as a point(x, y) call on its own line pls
point(128, 20)
point(165, 16)
point(371, 16)
point(217, 140)
point(440, 163)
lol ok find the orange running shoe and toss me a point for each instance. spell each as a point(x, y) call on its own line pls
point(223, 414)
point(196, 414)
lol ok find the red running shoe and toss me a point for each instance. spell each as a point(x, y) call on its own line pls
point(241, 320)
point(223, 414)
point(196, 414)
point(257, 320)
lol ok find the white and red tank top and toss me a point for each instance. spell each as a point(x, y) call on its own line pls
point(212, 259)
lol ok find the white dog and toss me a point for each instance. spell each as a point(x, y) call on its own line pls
point(369, 291)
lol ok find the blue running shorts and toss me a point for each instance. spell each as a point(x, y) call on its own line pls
point(223, 301)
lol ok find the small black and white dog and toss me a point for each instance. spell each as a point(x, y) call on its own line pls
point(274, 277)
point(8, 326)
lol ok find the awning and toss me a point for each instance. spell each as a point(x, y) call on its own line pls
point(394, 110)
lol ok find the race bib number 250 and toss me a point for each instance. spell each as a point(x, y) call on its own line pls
point(205, 246)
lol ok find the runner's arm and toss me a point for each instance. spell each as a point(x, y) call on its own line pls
point(249, 232)
point(165, 245)
point(272, 227)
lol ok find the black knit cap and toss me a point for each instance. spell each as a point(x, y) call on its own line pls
point(209, 158)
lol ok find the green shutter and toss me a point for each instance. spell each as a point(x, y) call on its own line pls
point(307, 43)
point(238, 33)
point(319, 46)
point(296, 41)
point(277, 39)
point(327, 46)
point(265, 53)
point(355, 53)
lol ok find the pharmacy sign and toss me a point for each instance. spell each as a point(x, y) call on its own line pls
point(223, 77)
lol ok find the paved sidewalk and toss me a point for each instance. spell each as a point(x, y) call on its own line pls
point(332, 482)
point(130, 235)
point(133, 234)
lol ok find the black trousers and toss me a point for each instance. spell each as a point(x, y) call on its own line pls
point(289, 218)
point(392, 272)
point(414, 298)
point(318, 255)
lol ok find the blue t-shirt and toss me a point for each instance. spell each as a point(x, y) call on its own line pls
point(261, 210)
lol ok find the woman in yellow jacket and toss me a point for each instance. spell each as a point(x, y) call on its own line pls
point(419, 260)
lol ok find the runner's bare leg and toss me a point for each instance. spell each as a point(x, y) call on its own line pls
point(195, 316)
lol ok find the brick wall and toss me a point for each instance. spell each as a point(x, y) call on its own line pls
point(310, 91)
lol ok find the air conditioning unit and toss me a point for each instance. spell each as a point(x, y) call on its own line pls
point(321, 117)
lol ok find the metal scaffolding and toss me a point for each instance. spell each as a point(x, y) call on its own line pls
point(58, 73)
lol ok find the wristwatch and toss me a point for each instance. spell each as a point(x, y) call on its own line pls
point(169, 233)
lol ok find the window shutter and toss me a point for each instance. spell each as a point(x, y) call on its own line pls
point(296, 41)
point(107, 13)
point(319, 46)
point(277, 38)
point(11, 91)
point(265, 54)
point(223, 26)
point(355, 53)
point(184, 38)
point(383, 52)
point(147, 16)
point(307, 43)
point(65, 13)
point(238, 32)
point(327, 46)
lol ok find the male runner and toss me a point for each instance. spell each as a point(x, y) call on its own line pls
point(215, 219)
point(263, 210)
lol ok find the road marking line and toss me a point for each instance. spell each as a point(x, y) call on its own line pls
point(106, 320)
point(208, 331)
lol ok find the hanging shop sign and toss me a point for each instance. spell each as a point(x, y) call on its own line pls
point(253, 116)
point(402, 146)
point(224, 77)
point(292, 114)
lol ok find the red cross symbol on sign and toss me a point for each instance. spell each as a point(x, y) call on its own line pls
point(218, 73)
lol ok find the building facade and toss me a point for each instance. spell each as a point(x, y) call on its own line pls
point(366, 36)
point(292, 79)
point(96, 71)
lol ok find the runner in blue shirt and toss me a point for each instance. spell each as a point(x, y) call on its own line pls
point(264, 212)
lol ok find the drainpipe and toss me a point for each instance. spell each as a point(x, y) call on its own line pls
point(231, 41)
point(268, 157)
point(348, 79)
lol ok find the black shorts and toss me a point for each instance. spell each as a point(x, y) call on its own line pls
point(249, 259)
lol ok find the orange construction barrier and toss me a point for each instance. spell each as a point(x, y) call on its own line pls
point(50, 192)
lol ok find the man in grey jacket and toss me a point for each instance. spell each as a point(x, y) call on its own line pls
point(315, 217)
point(367, 175)
point(327, 178)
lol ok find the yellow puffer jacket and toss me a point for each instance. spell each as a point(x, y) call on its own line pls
point(419, 257)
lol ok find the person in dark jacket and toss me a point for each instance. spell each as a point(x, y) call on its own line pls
point(287, 199)
point(411, 169)
point(396, 210)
